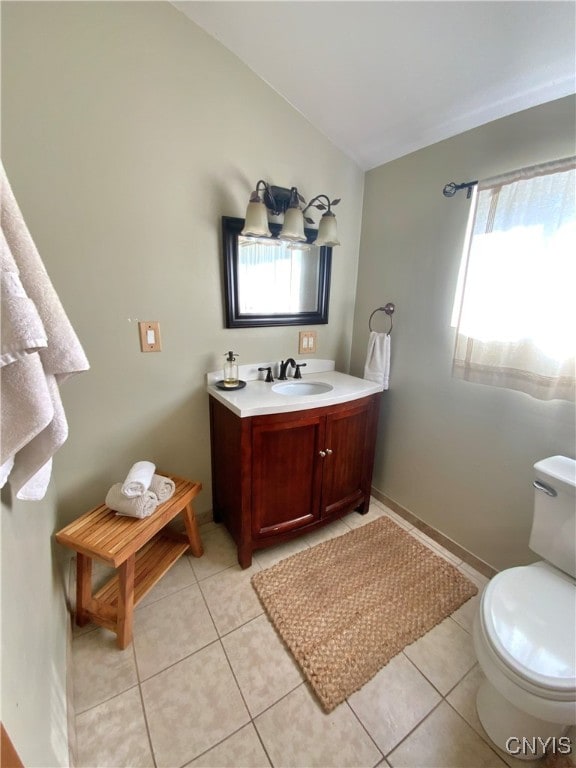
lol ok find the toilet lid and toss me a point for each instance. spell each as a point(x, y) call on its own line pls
point(530, 616)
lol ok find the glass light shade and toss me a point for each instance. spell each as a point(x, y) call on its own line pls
point(293, 227)
point(256, 222)
point(327, 231)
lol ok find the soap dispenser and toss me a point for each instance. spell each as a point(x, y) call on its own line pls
point(231, 370)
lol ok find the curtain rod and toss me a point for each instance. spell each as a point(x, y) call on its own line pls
point(451, 189)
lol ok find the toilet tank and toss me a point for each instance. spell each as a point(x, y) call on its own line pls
point(553, 535)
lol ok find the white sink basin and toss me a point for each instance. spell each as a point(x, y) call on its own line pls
point(301, 388)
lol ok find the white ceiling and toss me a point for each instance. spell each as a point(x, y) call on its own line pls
point(383, 78)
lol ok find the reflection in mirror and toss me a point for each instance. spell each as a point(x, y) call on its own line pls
point(277, 278)
point(274, 282)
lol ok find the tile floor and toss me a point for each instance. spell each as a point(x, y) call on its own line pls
point(207, 682)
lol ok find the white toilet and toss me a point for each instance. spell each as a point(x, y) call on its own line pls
point(525, 629)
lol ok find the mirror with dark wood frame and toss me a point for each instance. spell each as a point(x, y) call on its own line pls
point(268, 281)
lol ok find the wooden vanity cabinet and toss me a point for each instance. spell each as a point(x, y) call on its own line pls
point(278, 476)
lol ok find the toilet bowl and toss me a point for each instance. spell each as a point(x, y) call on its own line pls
point(525, 629)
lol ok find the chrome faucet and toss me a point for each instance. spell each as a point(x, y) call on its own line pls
point(284, 367)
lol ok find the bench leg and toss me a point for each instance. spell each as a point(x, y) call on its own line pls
point(192, 531)
point(83, 587)
point(125, 603)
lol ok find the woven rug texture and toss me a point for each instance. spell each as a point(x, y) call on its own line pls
point(347, 606)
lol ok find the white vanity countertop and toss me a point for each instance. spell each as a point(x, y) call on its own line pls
point(257, 398)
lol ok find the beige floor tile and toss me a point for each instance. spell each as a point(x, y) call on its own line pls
point(272, 555)
point(444, 740)
point(263, 666)
point(171, 629)
point(192, 706)
point(394, 702)
point(77, 631)
point(443, 655)
point(207, 526)
point(241, 750)
point(355, 519)
point(178, 577)
point(113, 734)
point(377, 507)
point(330, 531)
point(231, 598)
point(219, 553)
point(464, 616)
point(99, 669)
point(463, 700)
point(295, 732)
point(198, 709)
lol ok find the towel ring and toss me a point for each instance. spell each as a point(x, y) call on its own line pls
point(389, 310)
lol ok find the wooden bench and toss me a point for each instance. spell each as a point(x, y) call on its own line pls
point(137, 547)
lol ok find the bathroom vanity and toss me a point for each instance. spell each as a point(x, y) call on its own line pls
point(290, 457)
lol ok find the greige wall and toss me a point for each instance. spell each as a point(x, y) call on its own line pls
point(127, 133)
point(457, 455)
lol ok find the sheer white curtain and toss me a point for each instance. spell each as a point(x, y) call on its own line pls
point(270, 276)
point(517, 306)
point(277, 277)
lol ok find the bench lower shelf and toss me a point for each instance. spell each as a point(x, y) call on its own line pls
point(151, 563)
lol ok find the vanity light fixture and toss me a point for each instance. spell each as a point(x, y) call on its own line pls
point(293, 227)
point(256, 219)
point(280, 200)
point(327, 231)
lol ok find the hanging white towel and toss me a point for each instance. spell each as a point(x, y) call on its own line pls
point(163, 487)
point(138, 506)
point(138, 479)
point(39, 350)
point(31, 403)
point(22, 329)
point(377, 366)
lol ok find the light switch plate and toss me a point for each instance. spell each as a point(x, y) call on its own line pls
point(150, 336)
point(307, 342)
point(311, 341)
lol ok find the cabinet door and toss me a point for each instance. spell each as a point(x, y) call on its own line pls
point(347, 464)
point(286, 473)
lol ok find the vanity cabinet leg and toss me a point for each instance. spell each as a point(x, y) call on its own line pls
point(245, 555)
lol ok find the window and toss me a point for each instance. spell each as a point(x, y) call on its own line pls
point(516, 305)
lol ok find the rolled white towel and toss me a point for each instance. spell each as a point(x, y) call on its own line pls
point(138, 479)
point(163, 487)
point(139, 506)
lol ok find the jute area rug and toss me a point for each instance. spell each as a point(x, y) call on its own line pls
point(345, 607)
